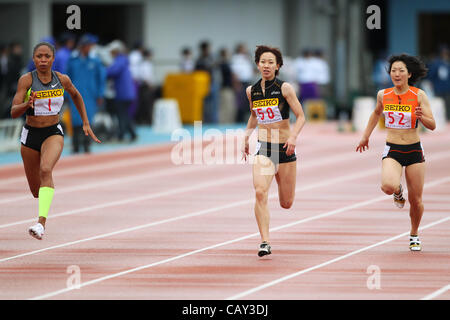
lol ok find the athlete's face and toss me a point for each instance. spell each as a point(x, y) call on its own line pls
point(43, 58)
point(268, 65)
point(399, 73)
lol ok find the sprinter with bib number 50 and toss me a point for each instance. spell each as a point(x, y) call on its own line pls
point(40, 94)
point(403, 107)
point(271, 101)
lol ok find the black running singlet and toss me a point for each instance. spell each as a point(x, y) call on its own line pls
point(270, 106)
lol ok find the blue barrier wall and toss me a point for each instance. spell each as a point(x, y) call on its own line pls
point(403, 35)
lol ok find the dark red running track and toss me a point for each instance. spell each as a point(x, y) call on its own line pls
point(132, 225)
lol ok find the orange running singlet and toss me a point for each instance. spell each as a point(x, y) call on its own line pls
point(399, 110)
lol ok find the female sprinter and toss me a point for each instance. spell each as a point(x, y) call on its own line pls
point(403, 107)
point(271, 100)
point(42, 136)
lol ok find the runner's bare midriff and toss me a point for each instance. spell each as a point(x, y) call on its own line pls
point(402, 136)
point(277, 132)
point(42, 121)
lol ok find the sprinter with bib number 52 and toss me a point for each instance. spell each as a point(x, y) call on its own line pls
point(403, 107)
point(40, 94)
point(271, 101)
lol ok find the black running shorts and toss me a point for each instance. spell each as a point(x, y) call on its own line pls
point(406, 155)
point(33, 138)
point(275, 152)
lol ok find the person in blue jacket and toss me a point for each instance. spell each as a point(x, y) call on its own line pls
point(125, 90)
point(89, 76)
point(439, 75)
point(67, 42)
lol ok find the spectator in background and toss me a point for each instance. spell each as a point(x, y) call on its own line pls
point(62, 56)
point(321, 71)
point(15, 65)
point(4, 104)
point(3, 64)
point(125, 91)
point(147, 89)
point(380, 75)
point(187, 62)
point(227, 108)
point(308, 88)
point(89, 77)
point(242, 67)
point(136, 59)
point(205, 62)
point(439, 75)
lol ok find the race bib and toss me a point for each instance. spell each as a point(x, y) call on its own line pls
point(397, 116)
point(267, 110)
point(48, 102)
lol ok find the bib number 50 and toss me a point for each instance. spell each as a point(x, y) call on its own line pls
point(269, 111)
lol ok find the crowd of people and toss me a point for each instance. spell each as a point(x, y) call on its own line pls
point(11, 66)
point(232, 72)
point(120, 81)
point(112, 79)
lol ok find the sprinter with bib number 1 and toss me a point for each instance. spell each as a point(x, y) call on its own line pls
point(40, 95)
point(403, 107)
point(271, 101)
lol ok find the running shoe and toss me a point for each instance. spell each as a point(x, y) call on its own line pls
point(414, 243)
point(399, 201)
point(264, 249)
point(36, 231)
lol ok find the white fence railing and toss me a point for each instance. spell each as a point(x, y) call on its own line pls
point(10, 134)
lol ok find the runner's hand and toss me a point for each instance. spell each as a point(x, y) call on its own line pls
point(419, 113)
point(290, 146)
point(245, 150)
point(363, 144)
point(30, 102)
point(88, 132)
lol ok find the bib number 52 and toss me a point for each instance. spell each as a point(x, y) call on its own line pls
point(392, 119)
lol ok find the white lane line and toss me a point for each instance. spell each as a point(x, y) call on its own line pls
point(183, 169)
point(437, 293)
point(296, 274)
point(138, 198)
point(326, 214)
point(168, 171)
point(95, 167)
point(302, 166)
point(138, 160)
point(198, 213)
point(109, 182)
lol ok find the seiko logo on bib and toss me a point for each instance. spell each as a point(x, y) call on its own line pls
point(265, 103)
point(49, 93)
point(397, 107)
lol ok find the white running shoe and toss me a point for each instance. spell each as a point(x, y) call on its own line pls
point(399, 201)
point(36, 231)
point(414, 243)
point(264, 249)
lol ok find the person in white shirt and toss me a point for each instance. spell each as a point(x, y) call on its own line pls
point(147, 89)
point(306, 76)
point(187, 61)
point(243, 70)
